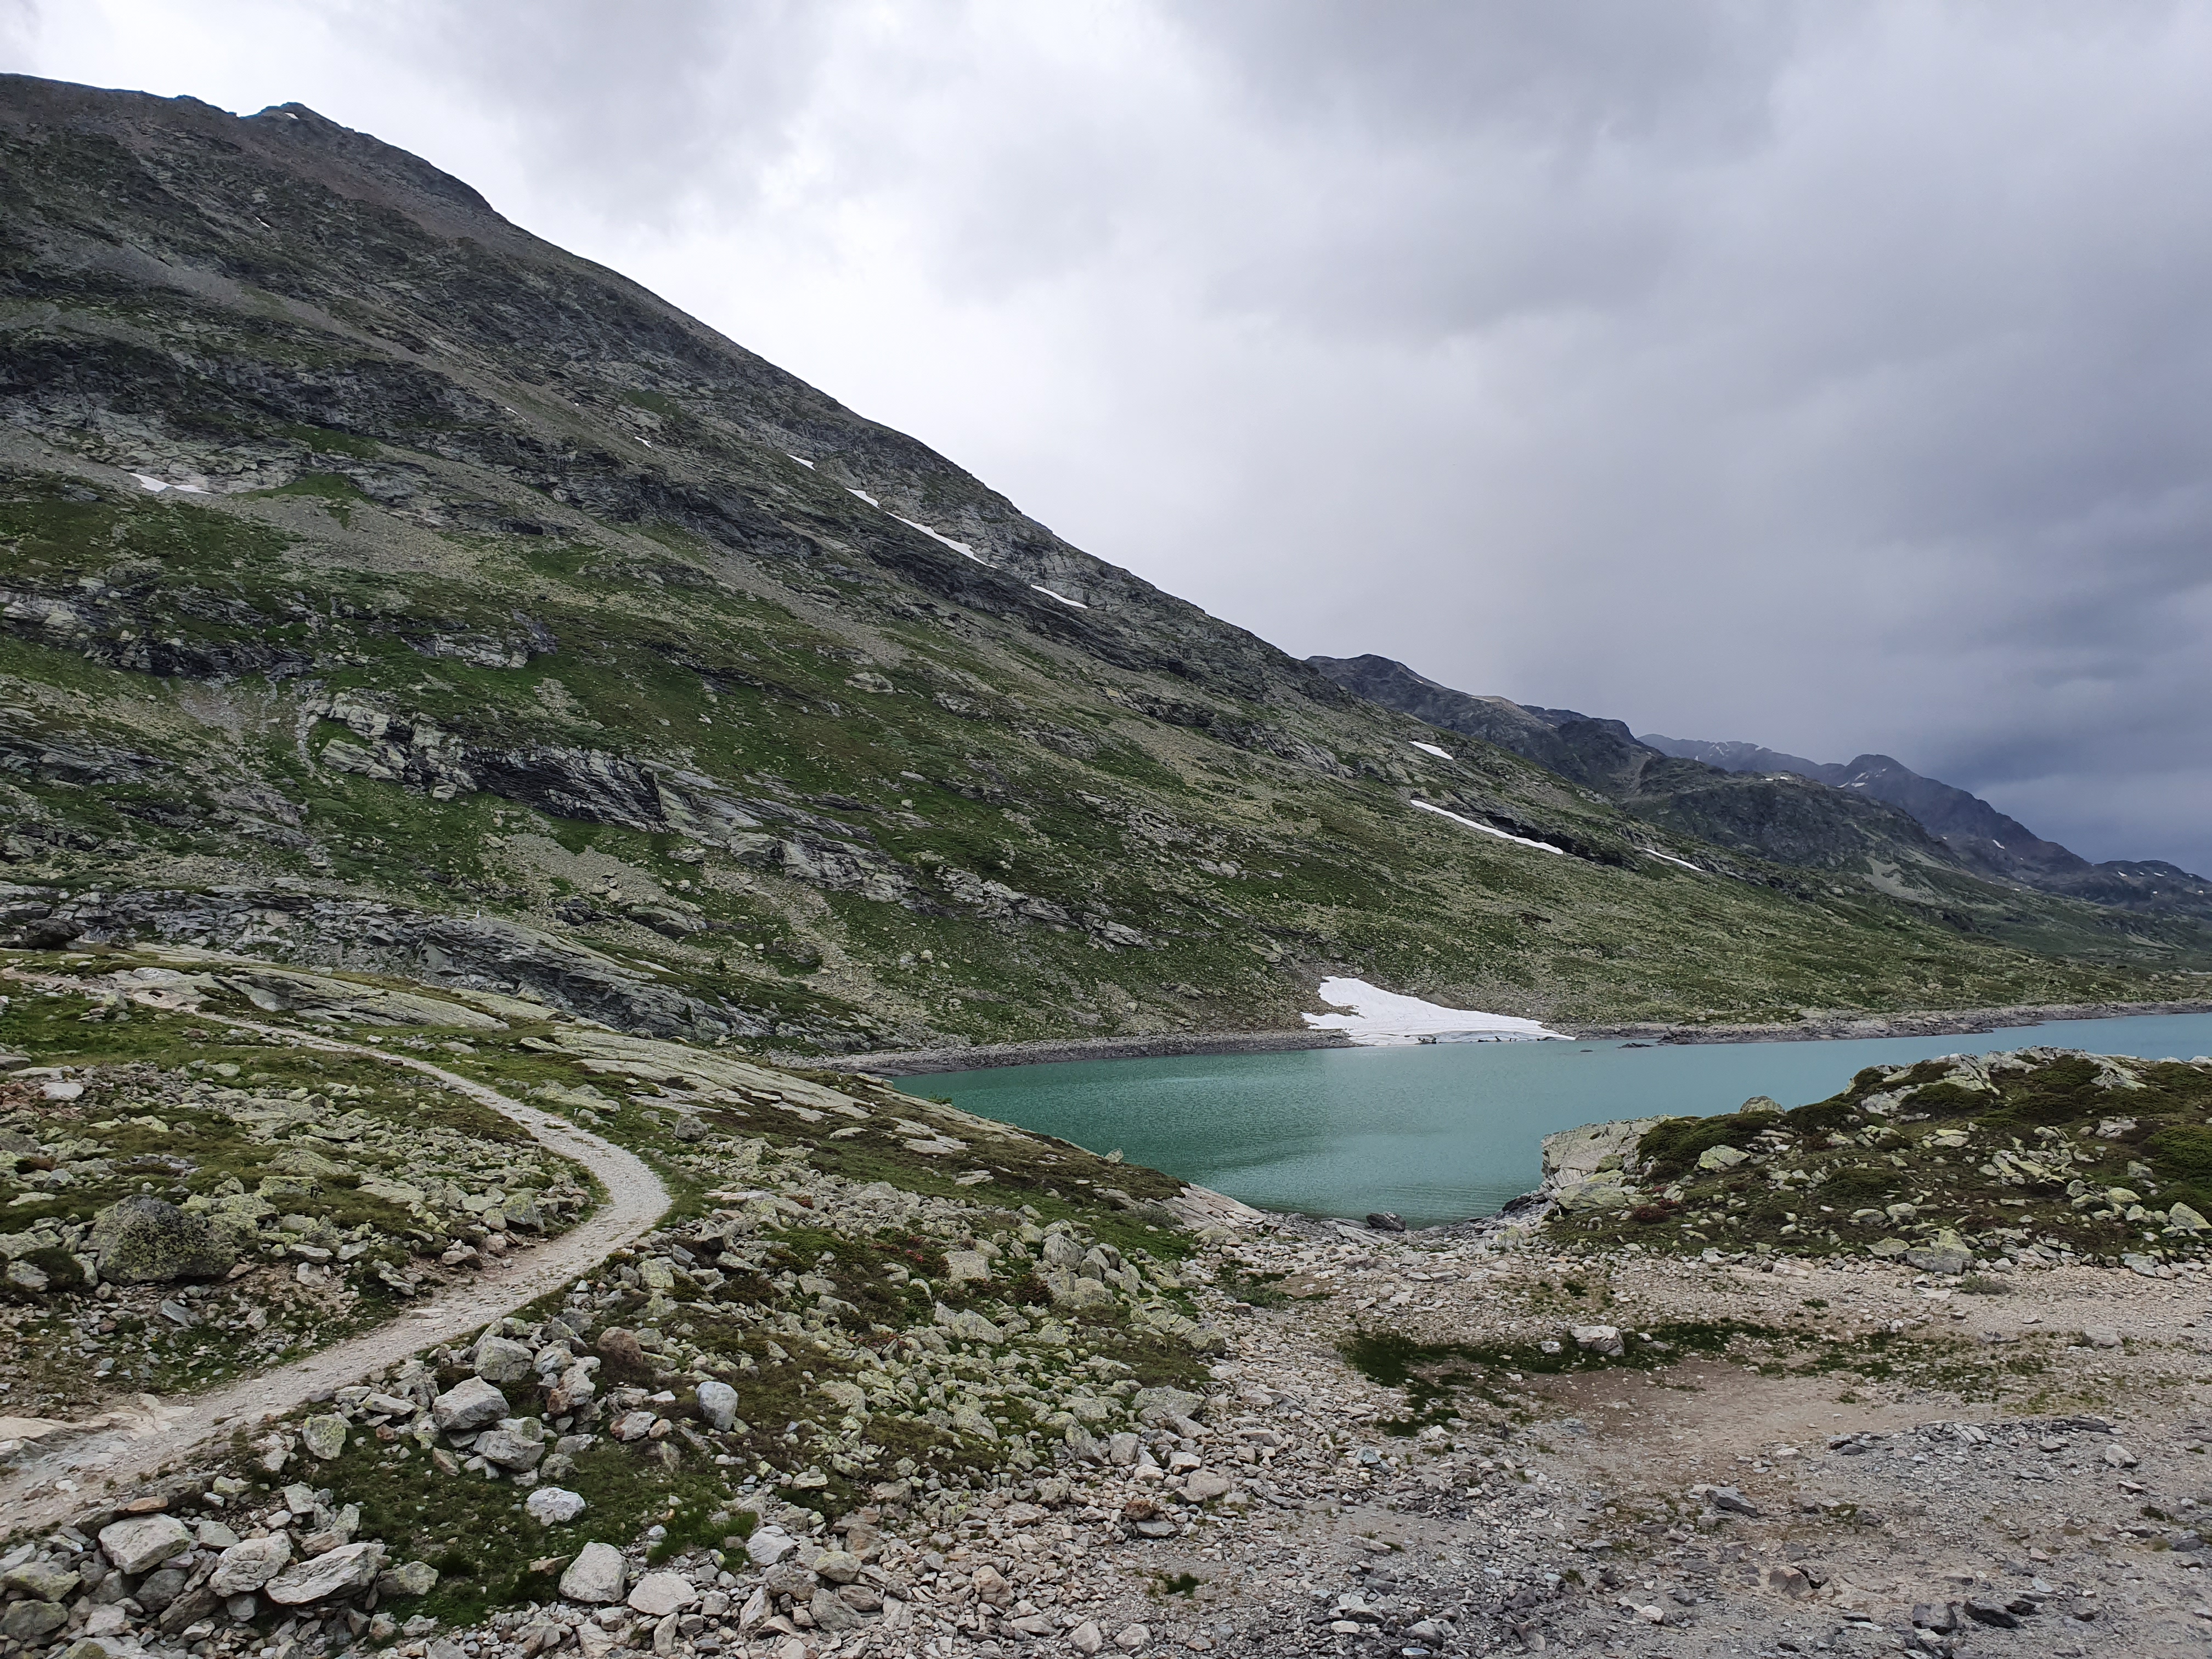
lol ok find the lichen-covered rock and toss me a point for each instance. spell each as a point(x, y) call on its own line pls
point(499, 1361)
point(142, 1240)
point(409, 1579)
point(509, 1450)
point(325, 1438)
point(32, 1621)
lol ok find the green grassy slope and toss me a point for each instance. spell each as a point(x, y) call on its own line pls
point(502, 596)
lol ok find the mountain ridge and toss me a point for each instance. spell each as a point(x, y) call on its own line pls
point(1735, 793)
point(386, 588)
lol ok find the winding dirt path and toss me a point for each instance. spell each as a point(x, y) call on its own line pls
point(127, 1446)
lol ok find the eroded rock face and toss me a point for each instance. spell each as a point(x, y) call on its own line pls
point(142, 1240)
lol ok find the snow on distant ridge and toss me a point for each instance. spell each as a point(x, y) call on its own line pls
point(1384, 1019)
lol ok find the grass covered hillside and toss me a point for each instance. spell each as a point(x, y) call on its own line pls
point(382, 587)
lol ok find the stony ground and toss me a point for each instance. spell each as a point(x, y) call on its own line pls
point(2014, 1471)
point(891, 1379)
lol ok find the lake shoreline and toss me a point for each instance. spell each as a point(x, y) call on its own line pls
point(1171, 1045)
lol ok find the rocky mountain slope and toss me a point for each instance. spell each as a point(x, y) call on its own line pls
point(381, 587)
point(1873, 820)
point(1982, 838)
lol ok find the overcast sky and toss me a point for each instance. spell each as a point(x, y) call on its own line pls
point(1833, 377)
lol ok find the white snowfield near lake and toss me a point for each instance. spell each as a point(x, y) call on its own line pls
point(1384, 1019)
point(1518, 840)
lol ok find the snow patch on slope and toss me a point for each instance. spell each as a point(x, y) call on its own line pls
point(1384, 1019)
point(1429, 749)
point(1518, 840)
point(958, 547)
point(1077, 603)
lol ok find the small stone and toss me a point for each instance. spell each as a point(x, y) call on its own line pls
point(246, 1567)
point(143, 1542)
point(553, 1506)
point(2117, 1456)
point(1598, 1339)
point(1132, 1639)
point(1731, 1500)
point(1720, 1157)
point(717, 1404)
point(1204, 1486)
point(469, 1404)
point(659, 1594)
point(991, 1586)
point(325, 1438)
point(1086, 1638)
point(2101, 1336)
point(837, 1566)
point(597, 1576)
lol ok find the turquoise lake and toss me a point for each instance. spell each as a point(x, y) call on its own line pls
point(1442, 1132)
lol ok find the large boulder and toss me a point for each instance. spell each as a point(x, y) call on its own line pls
point(717, 1404)
point(597, 1576)
point(349, 1567)
point(143, 1543)
point(469, 1404)
point(145, 1240)
point(244, 1568)
point(500, 1360)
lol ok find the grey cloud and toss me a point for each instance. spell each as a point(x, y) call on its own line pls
point(1831, 377)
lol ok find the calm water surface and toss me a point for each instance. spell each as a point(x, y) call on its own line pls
point(1447, 1130)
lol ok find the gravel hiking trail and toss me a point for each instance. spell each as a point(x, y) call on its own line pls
point(126, 1446)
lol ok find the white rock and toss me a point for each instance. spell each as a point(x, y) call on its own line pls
point(246, 1567)
point(143, 1542)
point(553, 1506)
point(597, 1576)
point(349, 1567)
point(717, 1404)
point(1086, 1637)
point(1132, 1638)
point(469, 1404)
point(768, 1545)
point(659, 1594)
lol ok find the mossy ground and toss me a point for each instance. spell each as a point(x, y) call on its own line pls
point(2031, 1159)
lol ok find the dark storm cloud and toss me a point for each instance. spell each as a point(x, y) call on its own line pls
point(1831, 377)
